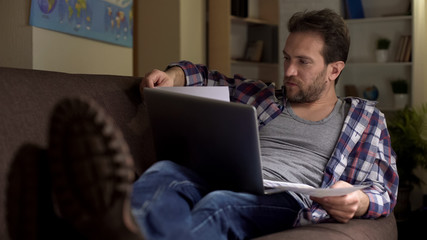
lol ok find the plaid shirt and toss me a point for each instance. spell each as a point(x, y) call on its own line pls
point(363, 154)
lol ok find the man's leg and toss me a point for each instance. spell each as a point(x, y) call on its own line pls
point(169, 202)
point(163, 198)
point(91, 171)
point(231, 215)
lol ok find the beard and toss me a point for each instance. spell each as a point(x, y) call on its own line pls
point(310, 94)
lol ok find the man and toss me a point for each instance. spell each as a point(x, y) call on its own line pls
point(310, 137)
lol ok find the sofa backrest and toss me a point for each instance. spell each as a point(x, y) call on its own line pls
point(27, 98)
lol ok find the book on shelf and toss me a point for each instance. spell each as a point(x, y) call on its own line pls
point(404, 49)
point(408, 50)
point(239, 8)
point(353, 9)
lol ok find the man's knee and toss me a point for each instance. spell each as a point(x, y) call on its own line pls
point(223, 199)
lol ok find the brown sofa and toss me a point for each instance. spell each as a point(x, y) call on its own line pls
point(28, 96)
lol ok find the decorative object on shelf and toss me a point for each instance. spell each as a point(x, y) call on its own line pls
point(382, 49)
point(400, 93)
point(254, 51)
point(408, 131)
point(400, 100)
point(268, 34)
point(371, 93)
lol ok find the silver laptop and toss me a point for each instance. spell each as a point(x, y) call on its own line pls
point(216, 139)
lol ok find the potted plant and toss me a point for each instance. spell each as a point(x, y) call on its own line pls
point(400, 92)
point(382, 49)
point(408, 131)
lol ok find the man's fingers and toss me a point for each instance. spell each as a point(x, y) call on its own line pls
point(341, 216)
point(152, 79)
point(342, 208)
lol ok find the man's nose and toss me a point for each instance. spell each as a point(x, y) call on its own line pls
point(290, 69)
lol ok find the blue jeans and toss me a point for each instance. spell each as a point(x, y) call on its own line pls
point(170, 201)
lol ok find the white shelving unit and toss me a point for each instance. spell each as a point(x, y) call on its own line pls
point(263, 70)
point(362, 70)
point(228, 38)
point(383, 18)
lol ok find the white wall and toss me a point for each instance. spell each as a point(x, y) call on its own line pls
point(169, 31)
point(61, 52)
point(15, 40)
point(193, 30)
point(23, 46)
point(419, 82)
point(419, 90)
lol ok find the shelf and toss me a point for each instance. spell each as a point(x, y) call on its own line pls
point(378, 64)
point(378, 19)
point(250, 20)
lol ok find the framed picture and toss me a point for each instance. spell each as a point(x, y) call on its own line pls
point(104, 20)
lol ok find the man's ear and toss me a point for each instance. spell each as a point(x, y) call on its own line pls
point(335, 69)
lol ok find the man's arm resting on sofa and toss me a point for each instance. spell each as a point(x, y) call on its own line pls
point(173, 76)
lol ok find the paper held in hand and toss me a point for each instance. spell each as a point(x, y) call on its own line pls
point(213, 92)
point(279, 186)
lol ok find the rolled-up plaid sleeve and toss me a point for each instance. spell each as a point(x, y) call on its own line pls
point(199, 75)
point(385, 180)
point(246, 91)
point(363, 156)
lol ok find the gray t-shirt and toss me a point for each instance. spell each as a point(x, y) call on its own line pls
point(297, 150)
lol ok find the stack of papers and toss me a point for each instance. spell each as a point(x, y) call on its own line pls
point(279, 186)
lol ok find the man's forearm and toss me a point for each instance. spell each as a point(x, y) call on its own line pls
point(178, 76)
point(363, 204)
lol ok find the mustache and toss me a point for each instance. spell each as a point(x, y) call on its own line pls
point(292, 80)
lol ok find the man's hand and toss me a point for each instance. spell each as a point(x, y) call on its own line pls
point(172, 77)
point(344, 208)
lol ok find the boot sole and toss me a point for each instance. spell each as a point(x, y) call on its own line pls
point(91, 167)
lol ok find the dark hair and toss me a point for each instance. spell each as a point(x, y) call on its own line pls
point(330, 26)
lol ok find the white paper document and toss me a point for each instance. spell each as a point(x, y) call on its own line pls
point(218, 92)
point(279, 186)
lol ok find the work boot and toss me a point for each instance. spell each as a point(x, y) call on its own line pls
point(92, 171)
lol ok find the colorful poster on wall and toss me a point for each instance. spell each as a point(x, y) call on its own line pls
point(104, 20)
